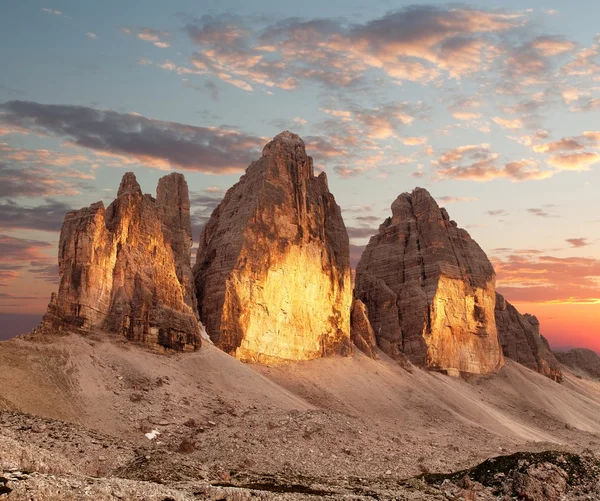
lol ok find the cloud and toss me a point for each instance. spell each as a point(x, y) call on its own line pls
point(540, 212)
point(497, 212)
point(552, 46)
point(15, 250)
point(450, 199)
point(418, 43)
point(466, 115)
point(566, 144)
point(355, 254)
point(362, 232)
point(46, 217)
point(592, 136)
point(156, 37)
point(134, 138)
point(18, 255)
point(548, 279)
point(574, 161)
point(511, 124)
point(414, 141)
point(26, 180)
point(203, 205)
point(45, 270)
point(51, 11)
point(578, 242)
point(479, 163)
point(91, 35)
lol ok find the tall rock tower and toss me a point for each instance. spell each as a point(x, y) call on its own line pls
point(126, 269)
point(430, 290)
point(272, 273)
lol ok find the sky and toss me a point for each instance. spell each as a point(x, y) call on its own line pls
point(492, 106)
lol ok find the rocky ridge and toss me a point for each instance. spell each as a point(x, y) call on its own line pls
point(125, 269)
point(581, 359)
point(430, 290)
point(272, 272)
point(522, 342)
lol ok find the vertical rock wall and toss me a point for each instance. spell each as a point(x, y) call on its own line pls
point(126, 269)
point(272, 272)
point(430, 290)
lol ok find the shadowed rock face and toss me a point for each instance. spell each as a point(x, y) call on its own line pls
point(272, 273)
point(126, 269)
point(582, 359)
point(522, 342)
point(361, 332)
point(430, 290)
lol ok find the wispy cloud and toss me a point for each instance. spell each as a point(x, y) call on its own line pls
point(418, 43)
point(448, 199)
point(134, 138)
point(46, 217)
point(157, 37)
point(479, 163)
point(54, 12)
point(578, 242)
point(548, 279)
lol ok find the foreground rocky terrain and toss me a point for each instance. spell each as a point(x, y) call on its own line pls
point(76, 412)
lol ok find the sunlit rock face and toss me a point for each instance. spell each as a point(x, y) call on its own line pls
point(126, 269)
point(272, 272)
point(361, 332)
point(430, 290)
point(522, 342)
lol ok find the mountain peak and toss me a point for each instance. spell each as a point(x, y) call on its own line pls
point(129, 185)
point(285, 141)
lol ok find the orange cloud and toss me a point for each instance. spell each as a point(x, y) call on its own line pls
point(511, 124)
point(466, 115)
point(552, 46)
point(562, 145)
point(574, 161)
point(414, 141)
point(578, 242)
point(478, 163)
point(548, 279)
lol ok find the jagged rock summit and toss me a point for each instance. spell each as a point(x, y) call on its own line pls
point(126, 269)
point(429, 290)
point(522, 342)
point(272, 273)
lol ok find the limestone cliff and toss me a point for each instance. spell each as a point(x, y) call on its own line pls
point(522, 342)
point(430, 290)
point(126, 269)
point(361, 332)
point(272, 273)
